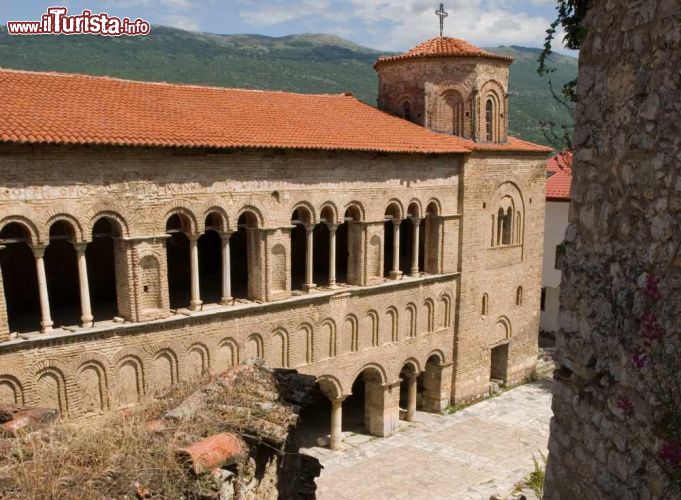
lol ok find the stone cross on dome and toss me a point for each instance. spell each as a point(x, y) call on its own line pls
point(442, 13)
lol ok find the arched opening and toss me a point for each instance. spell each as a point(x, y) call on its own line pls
point(408, 391)
point(322, 241)
point(101, 269)
point(490, 115)
point(508, 227)
point(366, 411)
point(301, 220)
point(348, 251)
point(20, 279)
point(429, 387)
point(314, 419)
point(519, 296)
point(485, 305)
point(391, 240)
point(210, 260)
point(61, 271)
point(454, 102)
point(499, 365)
point(406, 110)
point(242, 258)
point(177, 255)
point(430, 240)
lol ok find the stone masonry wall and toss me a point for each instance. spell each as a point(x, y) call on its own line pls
point(625, 220)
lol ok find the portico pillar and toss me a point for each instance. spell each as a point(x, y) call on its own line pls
point(226, 268)
point(332, 254)
point(415, 247)
point(411, 397)
point(396, 273)
point(85, 306)
point(336, 435)
point(45, 319)
point(195, 301)
point(309, 258)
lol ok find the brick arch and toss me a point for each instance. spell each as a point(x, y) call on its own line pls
point(29, 226)
point(440, 355)
point(411, 361)
point(433, 207)
point(330, 386)
point(303, 349)
point(120, 222)
point(393, 324)
point(202, 350)
point(257, 340)
point(328, 348)
point(376, 369)
point(127, 393)
point(72, 221)
point(233, 345)
point(59, 373)
point(223, 218)
point(415, 209)
point(331, 207)
point(374, 324)
point(355, 205)
point(189, 221)
point(280, 355)
point(99, 364)
point(349, 341)
point(429, 306)
point(252, 210)
point(17, 388)
point(165, 350)
point(502, 330)
point(446, 300)
point(395, 208)
point(305, 206)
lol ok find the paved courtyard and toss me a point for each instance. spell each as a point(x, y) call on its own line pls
point(474, 453)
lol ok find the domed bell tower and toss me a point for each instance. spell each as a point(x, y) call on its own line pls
point(449, 86)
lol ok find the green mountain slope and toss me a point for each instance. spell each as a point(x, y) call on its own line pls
point(298, 63)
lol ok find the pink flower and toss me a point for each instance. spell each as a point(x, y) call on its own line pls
point(670, 453)
point(651, 329)
point(639, 358)
point(624, 404)
point(652, 288)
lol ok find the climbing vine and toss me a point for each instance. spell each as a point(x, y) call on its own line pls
point(570, 18)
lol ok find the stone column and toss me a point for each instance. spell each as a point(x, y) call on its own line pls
point(45, 319)
point(411, 397)
point(309, 258)
point(195, 302)
point(396, 273)
point(226, 269)
point(85, 307)
point(332, 255)
point(415, 247)
point(336, 435)
point(4, 322)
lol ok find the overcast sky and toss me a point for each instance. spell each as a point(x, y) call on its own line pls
point(383, 24)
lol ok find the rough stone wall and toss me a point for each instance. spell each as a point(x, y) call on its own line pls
point(624, 221)
point(429, 84)
point(498, 271)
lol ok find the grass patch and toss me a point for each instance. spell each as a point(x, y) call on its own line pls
point(535, 479)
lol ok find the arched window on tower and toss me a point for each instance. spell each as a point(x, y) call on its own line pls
point(508, 227)
point(489, 119)
point(485, 305)
point(406, 110)
point(519, 296)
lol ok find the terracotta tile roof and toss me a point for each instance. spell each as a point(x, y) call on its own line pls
point(512, 145)
point(443, 47)
point(559, 171)
point(77, 109)
point(57, 108)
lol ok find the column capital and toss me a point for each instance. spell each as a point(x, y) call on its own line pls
point(309, 227)
point(80, 246)
point(39, 251)
point(226, 235)
point(332, 226)
point(193, 237)
point(416, 221)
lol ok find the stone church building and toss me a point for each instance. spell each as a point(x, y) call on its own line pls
point(154, 232)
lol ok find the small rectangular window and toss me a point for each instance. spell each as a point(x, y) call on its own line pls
point(543, 299)
point(560, 256)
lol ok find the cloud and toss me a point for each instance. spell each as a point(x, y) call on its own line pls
point(390, 25)
point(181, 21)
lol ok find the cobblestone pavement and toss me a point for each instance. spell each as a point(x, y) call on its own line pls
point(474, 453)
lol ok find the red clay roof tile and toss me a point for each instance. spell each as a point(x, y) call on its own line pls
point(57, 108)
point(558, 183)
point(443, 47)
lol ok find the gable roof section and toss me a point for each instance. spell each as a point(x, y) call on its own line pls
point(58, 108)
point(559, 177)
point(77, 109)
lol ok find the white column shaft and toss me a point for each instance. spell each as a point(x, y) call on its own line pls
point(226, 269)
point(45, 319)
point(195, 301)
point(332, 254)
point(415, 247)
point(85, 306)
point(336, 424)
